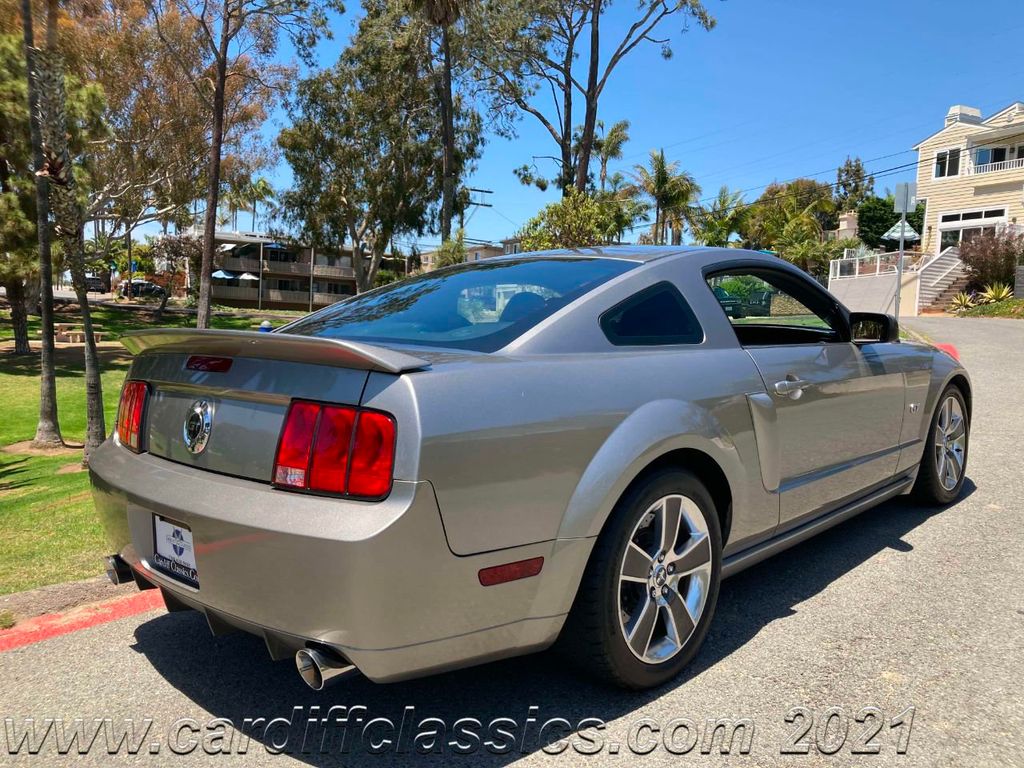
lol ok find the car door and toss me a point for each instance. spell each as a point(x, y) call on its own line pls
point(835, 407)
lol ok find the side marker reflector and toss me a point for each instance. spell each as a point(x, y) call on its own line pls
point(521, 569)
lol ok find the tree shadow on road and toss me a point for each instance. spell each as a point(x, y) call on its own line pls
point(232, 677)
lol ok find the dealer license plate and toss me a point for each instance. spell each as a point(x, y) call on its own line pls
point(173, 551)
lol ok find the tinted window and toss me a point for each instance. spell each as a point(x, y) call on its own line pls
point(480, 306)
point(656, 315)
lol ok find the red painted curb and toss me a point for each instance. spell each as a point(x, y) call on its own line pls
point(51, 625)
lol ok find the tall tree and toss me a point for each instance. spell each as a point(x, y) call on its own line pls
point(443, 14)
point(609, 146)
point(48, 426)
point(59, 171)
point(238, 39)
point(553, 53)
point(779, 203)
point(18, 242)
point(853, 185)
point(363, 145)
point(671, 191)
point(715, 224)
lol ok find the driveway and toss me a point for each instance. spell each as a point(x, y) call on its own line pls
point(900, 614)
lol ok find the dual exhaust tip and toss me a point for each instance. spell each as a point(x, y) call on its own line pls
point(319, 669)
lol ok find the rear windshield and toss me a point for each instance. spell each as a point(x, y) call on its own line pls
point(479, 306)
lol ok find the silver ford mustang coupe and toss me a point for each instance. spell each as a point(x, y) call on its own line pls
point(569, 447)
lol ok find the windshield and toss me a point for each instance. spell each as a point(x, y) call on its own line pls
point(479, 306)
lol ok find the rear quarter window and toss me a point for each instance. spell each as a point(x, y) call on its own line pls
point(658, 315)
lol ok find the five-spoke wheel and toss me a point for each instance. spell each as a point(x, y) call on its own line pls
point(664, 578)
point(649, 591)
point(940, 477)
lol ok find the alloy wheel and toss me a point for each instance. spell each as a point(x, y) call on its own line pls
point(664, 579)
point(950, 443)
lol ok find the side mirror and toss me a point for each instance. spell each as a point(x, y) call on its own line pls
point(873, 327)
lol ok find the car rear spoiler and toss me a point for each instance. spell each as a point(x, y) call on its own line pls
point(274, 346)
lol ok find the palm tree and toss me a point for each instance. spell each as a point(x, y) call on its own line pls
point(715, 224)
point(259, 191)
point(443, 14)
point(48, 427)
point(609, 146)
point(672, 191)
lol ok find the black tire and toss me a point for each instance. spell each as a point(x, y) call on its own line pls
point(593, 636)
point(929, 488)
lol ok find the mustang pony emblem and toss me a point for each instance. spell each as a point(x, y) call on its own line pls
point(198, 423)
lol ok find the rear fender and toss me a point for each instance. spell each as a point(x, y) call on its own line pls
point(651, 431)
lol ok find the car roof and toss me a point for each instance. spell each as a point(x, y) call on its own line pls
point(638, 253)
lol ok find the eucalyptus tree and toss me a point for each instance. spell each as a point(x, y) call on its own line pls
point(237, 41)
point(363, 145)
point(544, 57)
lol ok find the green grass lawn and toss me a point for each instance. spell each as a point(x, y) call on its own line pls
point(1010, 308)
point(48, 525)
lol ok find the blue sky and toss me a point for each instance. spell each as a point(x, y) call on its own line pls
point(779, 89)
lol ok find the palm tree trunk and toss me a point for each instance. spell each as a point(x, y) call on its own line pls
point(47, 428)
point(213, 179)
point(68, 217)
point(15, 288)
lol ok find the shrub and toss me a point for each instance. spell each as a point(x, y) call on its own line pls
point(995, 293)
point(992, 258)
point(961, 302)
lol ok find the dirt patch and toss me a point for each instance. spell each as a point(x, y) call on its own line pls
point(70, 469)
point(57, 598)
point(25, 448)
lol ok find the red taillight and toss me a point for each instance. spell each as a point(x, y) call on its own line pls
point(130, 413)
point(336, 449)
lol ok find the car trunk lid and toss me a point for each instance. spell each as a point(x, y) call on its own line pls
point(249, 399)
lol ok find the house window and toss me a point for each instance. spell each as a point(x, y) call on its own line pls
point(963, 226)
point(947, 163)
point(986, 155)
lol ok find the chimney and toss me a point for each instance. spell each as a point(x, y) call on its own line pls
point(958, 113)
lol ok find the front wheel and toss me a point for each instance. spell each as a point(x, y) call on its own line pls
point(944, 463)
point(649, 592)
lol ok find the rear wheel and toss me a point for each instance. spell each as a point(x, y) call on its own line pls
point(650, 588)
point(944, 463)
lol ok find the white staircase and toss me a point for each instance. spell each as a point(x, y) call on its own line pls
point(939, 277)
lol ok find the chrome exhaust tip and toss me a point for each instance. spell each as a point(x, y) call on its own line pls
point(118, 571)
point(319, 669)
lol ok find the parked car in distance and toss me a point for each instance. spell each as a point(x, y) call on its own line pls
point(569, 447)
point(732, 306)
point(142, 289)
point(94, 285)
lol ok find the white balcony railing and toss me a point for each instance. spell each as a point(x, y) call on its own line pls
point(863, 266)
point(1005, 165)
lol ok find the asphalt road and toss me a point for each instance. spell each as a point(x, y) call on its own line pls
point(901, 607)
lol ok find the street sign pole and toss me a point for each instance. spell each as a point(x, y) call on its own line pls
point(899, 266)
point(906, 200)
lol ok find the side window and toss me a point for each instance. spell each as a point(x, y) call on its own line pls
point(657, 315)
point(769, 307)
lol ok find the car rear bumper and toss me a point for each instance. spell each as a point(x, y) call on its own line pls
point(376, 582)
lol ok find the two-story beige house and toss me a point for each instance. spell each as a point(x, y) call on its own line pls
point(970, 174)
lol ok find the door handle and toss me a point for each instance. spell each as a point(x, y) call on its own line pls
point(791, 387)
